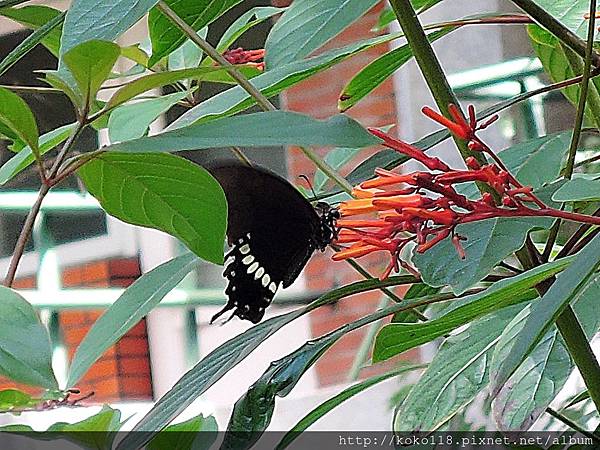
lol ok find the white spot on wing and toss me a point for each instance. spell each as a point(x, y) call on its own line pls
point(248, 259)
point(265, 280)
point(252, 267)
point(259, 273)
point(273, 287)
point(244, 249)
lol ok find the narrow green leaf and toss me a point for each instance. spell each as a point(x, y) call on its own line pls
point(307, 25)
point(162, 191)
point(188, 55)
point(91, 63)
point(165, 35)
point(379, 70)
point(198, 433)
point(101, 19)
point(25, 353)
point(16, 116)
point(26, 45)
point(253, 411)
point(221, 360)
point(543, 374)
point(245, 22)
point(272, 82)
point(131, 121)
point(61, 81)
point(457, 373)
point(337, 400)
point(24, 158)
point(95, 432)
point(135, 303)
point(36, 17)
point(248, 130)
point(415, 291)
point(577, 190)
point(396, 338)
point(156, 80)
point(544, 313)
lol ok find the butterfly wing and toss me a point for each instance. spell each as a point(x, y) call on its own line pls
point(270, 228)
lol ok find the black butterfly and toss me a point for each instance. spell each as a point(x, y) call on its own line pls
point(273, 231)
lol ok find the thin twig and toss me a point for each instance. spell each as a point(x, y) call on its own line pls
point(571, 424)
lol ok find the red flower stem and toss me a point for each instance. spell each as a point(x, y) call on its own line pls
point(527, 212)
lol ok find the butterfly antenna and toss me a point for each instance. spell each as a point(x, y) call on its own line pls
point(305, 178)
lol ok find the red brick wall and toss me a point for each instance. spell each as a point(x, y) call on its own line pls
point(318, 97)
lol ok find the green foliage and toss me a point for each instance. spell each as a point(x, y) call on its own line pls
point(544, 313)
point(136, 302)
point(25, 354)
point(161, 191)
point(17, 121)
point(294, 129)
point(578, 190)
point(166, 37)
point(396, 338)
point(37, 17)
point(198, 433)
point(297, 34)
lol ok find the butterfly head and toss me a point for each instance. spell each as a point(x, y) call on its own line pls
point(328, 232)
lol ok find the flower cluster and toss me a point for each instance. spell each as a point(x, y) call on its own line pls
point(425, 207)
point(241, 56)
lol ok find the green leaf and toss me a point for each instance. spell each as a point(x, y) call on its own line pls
point(561, 63)
point(253, 411)
point(25, 353)
point(156, 80)
point(166, 37)
point(248, 130)
point(16, 116)
point(379, 70)
point(543, 314)
point(337, 400)
point(386, 17)
point(307, 25)
point(27, 44)
point(416, 290)
point(133, 304)
point(198, 433)
point(164, 192)
point(24, 158)
point(36, 17)
point(272, 82)
point(457, 373)
point(61, 81)
point(245, 22)
point(95, 432)
point(221, 360)
point(101, 19)
point(91, 64)
point(396, 338)
point(571, 14)
point(543, 374)
point(336, 158)
point(132, 120)
point(188, 55)
point(488, 242)
point(11, 399)
point(578, 189)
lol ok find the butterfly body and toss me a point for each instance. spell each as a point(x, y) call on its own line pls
point(272, 230)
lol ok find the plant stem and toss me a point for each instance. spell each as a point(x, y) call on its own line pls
point(430, 66)
point(546, 20)
point(568, 422)
point(245, 84)
point(35, 209)
point(581, 352)
point(585, 77)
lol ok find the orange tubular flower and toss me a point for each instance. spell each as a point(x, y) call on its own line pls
point(425, 207)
